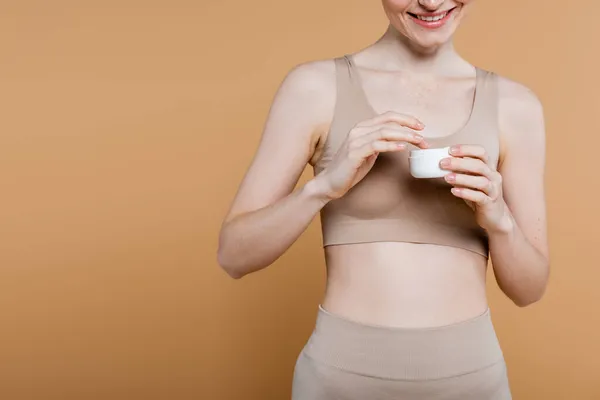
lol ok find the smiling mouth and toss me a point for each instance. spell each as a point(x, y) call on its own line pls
point(432, 18)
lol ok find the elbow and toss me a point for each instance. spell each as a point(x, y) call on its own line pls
point(234, 274)
point(226, 257)
point(530, 298)
point(225, 261)
point(537, 292)
point(526, 302)
point(231, 271)
point(232, 260)
point(235, 259)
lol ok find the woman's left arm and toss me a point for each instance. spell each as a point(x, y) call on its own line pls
point(510, 202)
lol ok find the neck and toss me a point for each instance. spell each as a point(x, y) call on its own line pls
point(401, 54)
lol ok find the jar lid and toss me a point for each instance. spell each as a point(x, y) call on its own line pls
point(435, 152)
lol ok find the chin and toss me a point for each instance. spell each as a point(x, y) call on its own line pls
point(424, 29)
point(431, 32)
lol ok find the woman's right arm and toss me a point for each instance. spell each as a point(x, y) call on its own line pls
point(267, 214)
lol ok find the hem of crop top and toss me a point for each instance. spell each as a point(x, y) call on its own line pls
point(407, 231)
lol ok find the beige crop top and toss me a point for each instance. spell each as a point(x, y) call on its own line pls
point(389, 205)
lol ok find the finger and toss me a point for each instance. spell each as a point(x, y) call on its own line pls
point(392, 135)
point(366, 129)
point(377, 146)
point(394, 117)
point(361, 130)
point(470, 150)
point(469, 165)
point(480, 183)
point(475, 196)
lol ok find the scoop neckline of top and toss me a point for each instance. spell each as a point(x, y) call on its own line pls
point(467, 124)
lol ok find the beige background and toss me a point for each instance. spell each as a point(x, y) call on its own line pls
point(127, 125)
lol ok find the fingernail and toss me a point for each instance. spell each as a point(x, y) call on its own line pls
point(454, 149)
point(445, 162)
point(418, 137)
point(450, 177)
point(401, 145)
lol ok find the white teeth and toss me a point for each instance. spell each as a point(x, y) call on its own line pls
point(432, 19)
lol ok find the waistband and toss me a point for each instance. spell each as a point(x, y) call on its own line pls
point(404, 353)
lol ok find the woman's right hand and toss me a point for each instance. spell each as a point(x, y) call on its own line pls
point(388, 132)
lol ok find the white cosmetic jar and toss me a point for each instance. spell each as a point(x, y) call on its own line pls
point(425, 163)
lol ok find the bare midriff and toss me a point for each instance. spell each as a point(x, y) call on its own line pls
point(401, 284)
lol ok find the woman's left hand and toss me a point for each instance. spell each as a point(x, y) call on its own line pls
point(479, 184)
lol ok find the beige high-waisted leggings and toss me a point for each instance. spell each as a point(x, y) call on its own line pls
point(346, 360)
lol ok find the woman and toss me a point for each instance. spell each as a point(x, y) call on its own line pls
point(405, 314)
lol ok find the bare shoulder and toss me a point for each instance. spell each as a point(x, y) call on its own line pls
point(305, 103)
point(314, 77)
point(519, 108)
point(520, 117)
point(310, 87)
